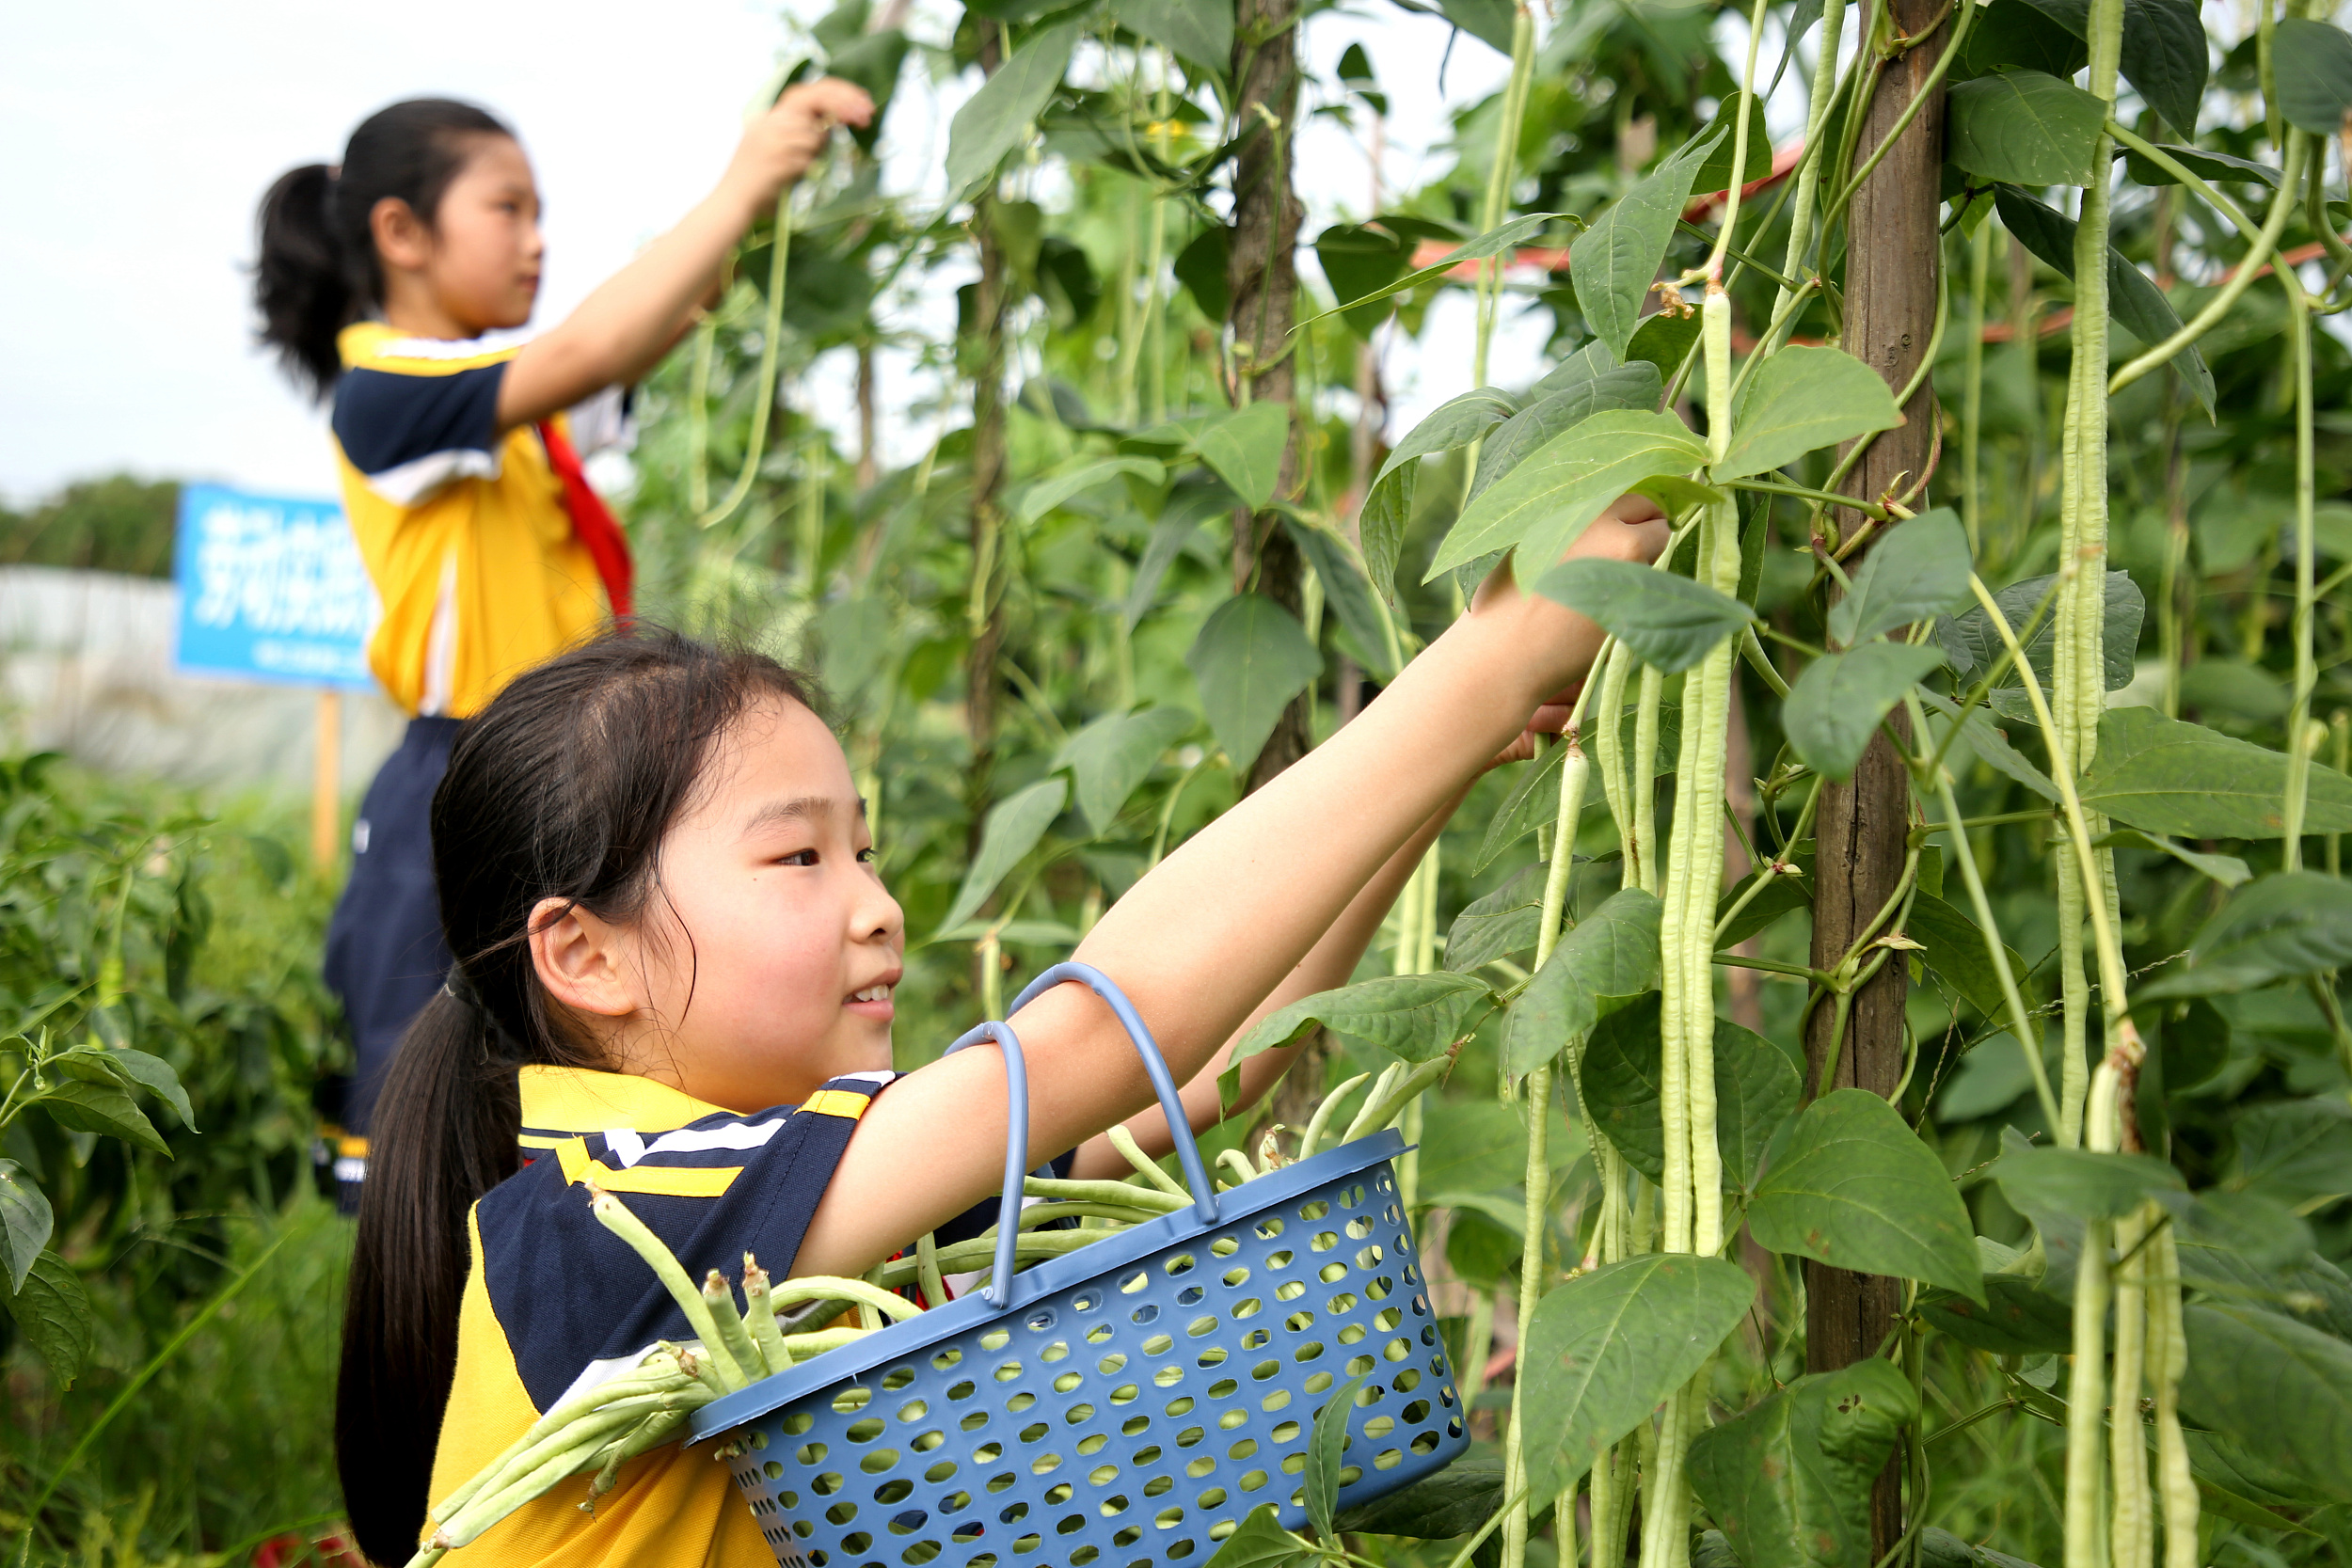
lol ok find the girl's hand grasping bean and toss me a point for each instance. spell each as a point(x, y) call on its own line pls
point(778, 145)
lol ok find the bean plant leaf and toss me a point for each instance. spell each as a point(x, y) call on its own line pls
point(1614, 262)
point(2024, 127)
point(2085, 1184)
point(1610, 958)
point(1973, 646)
point(95, 1103)
point(1191, 502)
point(2277, 928)
point(25, 1222)
point(1604, 1350)
point(1203, 34)
point(1956, 950)
point(1671, 621)
point(1802, 400)
point(2293, 1149)
point(1324, 1450)
point(2005, 35)
point(1013, 827)
point(1344, 591)
point(993, 121)
point(1635, 385)
point(1357, 260)
point(1788, 1480)
point(1713, 176)
point(53, 1312)
point(2163, 776)
point(1499, 923)
point(1836, 704)
point(1037, 499)
point(1916, 572)
point(136, 1069)
point(1488, 21)
point(1259, 1542)
point(1115, 753)
point(2261, 1229)
point(2279, 1388)
point(1252, 657)
point(1757, 1091)
point(1854, 1187)
point(1455, 1501)
point(1414, 1017)
point(1542, 506)
point(1664, 339)
point(1784, 895)
point(1495, 242)
point(1245, 450)
point(1389, 504)
point(2164, 51)
point(1534, 802)
point(2228, 870)
point(2135, 301)
point(2017, 1317)
point(2201, 161)
point(2312, 64)
point(1991, 742)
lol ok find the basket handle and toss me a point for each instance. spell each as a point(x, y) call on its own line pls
point(997, 1292)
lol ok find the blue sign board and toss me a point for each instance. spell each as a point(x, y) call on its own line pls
point(271, 588)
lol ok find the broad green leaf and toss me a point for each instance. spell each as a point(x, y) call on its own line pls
point(1488, 21)
point(1614, 262)
point(1853, 1187)
point(1200, 267)
point(2083, 1182)
point(1414, 1017)
point(2164, 51)
point(1671, 621)
point(2202, 162)
point(994, 120)
point(1757, 1091)
point(1258, 1542)
point(1604, 1350)
point(99, 1105)
point(1324, 1450)
point(2018, 1318)
point(1389, 504)
point(1913, 573)
point(1713, 176)
point(1245, 450)
point(2233, 689)
point(1955, 950)
point(2293, 1149)
point(1499, 923)
point(1455, 1501)
point(1991, 742)
point(53, 1312)
point(1116, 753)
point(1013, 827)
point(855, 643)
point(1252, 657)
point(1635, 385)
point(1836, 705)
point(874, 62)
point(2024, 127)
point(1191, 502)
point(1534, 802)
point(1608, 960)
point(1801, 400)
point(1973, 646)
point(1788, 1480)
point(2163, 776)
point(25, 1222)
point(1664, 339)
point(2312, 64)
point(2226, 869)
point(133, 1069)
point(1784, 895)
point(1358, 259)
point(1075, 479)
point(2136, 302)
point(1344, 591)
point(1199, 31)
point(2281, 1389)
point(1542, 506)
point(1495, 242)
point(2010, 36)
point(2262, 1229)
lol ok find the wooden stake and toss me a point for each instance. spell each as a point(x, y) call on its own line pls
point(326, 780)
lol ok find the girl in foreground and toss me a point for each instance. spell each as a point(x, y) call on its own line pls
point(675, 979)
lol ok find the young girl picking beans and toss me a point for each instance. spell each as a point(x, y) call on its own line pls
point(675, 970)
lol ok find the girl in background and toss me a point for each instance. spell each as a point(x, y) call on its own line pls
point(381, 283)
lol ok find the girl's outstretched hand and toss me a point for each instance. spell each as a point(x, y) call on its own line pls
point(778, 145)
point(1634, 528)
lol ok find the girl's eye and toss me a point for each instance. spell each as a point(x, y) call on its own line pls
point(801, 857)
point(865, 856)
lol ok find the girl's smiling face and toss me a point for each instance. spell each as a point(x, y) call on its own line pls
point(767, 953)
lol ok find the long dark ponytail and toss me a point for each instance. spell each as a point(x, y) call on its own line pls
point(318, 270)
point(560, 788)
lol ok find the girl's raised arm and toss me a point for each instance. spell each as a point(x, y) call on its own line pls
point(640, 310)
point(1202, 940)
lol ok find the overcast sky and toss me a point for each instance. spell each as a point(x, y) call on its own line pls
point(141, 134)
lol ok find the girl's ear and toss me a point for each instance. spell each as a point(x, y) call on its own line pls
point(581, 960)
point(402, 238)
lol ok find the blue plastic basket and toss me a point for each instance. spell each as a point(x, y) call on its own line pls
point(1124, 1405)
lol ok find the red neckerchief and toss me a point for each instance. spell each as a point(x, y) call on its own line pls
point(592, 522)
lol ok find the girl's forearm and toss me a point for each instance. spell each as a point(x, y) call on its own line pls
point(1327, 964)
point(625, 326)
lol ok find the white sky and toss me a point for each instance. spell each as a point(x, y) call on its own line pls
point(141, 134)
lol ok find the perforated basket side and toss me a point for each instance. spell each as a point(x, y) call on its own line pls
point(1129, 1418)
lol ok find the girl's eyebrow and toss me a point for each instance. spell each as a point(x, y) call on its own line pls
point(803, 808)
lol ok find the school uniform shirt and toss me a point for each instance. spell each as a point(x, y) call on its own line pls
point(464, 530)
point(555, 1304)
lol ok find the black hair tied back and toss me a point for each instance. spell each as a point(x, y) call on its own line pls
point(318, 270)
